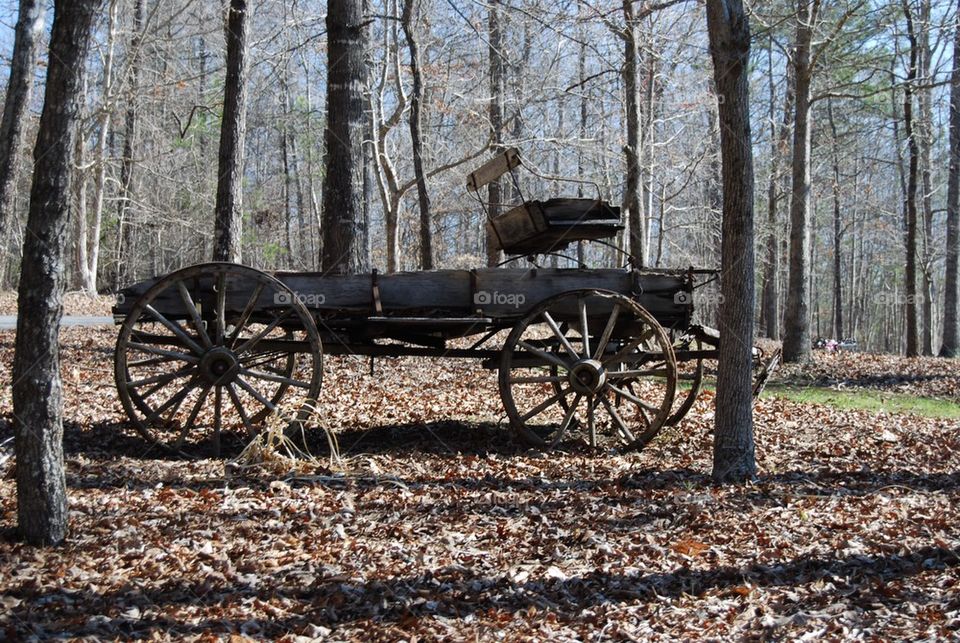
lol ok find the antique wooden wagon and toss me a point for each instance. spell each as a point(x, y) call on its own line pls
point(218, 347)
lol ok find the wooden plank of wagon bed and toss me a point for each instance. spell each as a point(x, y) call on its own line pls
point(496, 293)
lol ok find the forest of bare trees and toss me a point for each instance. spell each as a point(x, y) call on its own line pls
point(195, 113)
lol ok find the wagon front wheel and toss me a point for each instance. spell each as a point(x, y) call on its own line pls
point(209, 352)
point(567, 364)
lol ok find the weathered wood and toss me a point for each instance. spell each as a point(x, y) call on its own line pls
point(536, 227)
point(500, 294)
point(493, 169)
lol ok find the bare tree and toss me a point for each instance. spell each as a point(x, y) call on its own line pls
point(127, 164)
point(416, 136)
point(632, 148)
point(951, 319)
point(495, 111)
point(344, 228)
point(910, 198)
point(26, 35)
point(796, 340)
point(37, 389)
point(733, 450)
point(229, 208)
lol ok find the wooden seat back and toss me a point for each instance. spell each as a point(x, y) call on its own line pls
point(493, 169)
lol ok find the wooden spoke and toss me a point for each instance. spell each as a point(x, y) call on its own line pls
point(657, 372)
point(550, 357)
point(274, 378)
point(630, 347)
point(592, 421)
point(220, 311)
point(257, 394)
point(621, 426)
point(631, 397)
point(584, 326)
point(253, 341)
point(543, 406)
point(192, 418)
point(175, 328)
point(146, 348)
point(176, 400)
point(194, 314)
point(560, 336)
point(567, 419)
point(245, 315)
point(151, 361)
point(607, 332)
point(251, 430)
point(538, 379)
point(162, 378)
point(217, 418)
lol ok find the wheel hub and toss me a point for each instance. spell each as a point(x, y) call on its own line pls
point(588, 376)
point(219, 365)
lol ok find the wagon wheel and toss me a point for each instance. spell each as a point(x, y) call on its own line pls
point(211, 351)
point(689, 371)
point(554, 381)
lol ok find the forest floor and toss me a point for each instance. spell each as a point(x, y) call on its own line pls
point(74, 303)
point(434, 524)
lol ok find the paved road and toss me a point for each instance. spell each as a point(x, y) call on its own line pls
point(9, 322)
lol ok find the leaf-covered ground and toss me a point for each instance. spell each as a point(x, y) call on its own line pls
point(439, 527)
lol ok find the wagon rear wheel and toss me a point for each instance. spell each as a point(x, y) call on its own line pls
point(209, 352)
point(566, 363)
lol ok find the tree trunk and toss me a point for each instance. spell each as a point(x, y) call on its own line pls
point(229, 207)
point(910, 204)
point(733, 450)
point(126, 270)
point(779, 142)
point(25, 42)
point(925, 144)
point(837, 239)
point(37, 388)
point(797, 341)
point(344, 233)
point(494, 189)
point(416, 120)
point(631, 150)
point(951, 311)
point(104, 123)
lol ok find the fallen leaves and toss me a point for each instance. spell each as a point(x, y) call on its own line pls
point(437, 526)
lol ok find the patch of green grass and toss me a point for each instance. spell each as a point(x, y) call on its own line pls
point(867, 400)
point(858, 399)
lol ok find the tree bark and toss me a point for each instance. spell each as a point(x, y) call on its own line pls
point(229, 206)
point(951, 311)
point(126, 271)
point(733, 450)
point(910, 204)
point(90, 267)
point(19, 88)
point(37, 389)
point(631, 150)
point(494, 189)
point(416, 120)
point(925, 144)
point(344, 232)
point(779, 146)
point(837, 232)
point(797, 341)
